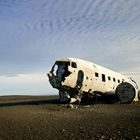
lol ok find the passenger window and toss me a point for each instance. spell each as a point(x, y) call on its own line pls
point(109, 78)
point(96, 74)
point(73, 64)
point(103, 77)
point(114, 79)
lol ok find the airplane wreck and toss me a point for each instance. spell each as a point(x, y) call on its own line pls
point(80, 81)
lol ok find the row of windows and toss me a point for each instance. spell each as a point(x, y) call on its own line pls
point(104, 78)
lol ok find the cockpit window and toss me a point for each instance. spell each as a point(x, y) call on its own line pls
point(54, 69)
point(73, 64)
point(62, 63)
point(60, 69)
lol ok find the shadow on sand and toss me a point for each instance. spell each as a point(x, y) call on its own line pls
point(34, 102)
point(42, 102)
point(52, 101)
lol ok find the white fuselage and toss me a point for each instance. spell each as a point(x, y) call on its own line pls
point(72, 73)
point(96, 78)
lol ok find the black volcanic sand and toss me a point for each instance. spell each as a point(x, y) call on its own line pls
point(44, 118)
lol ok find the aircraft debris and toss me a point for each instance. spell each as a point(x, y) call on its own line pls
point(82, 81)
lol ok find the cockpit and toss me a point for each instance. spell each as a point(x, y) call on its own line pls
point(59, 72)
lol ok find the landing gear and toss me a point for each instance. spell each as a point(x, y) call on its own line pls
point(64, 97)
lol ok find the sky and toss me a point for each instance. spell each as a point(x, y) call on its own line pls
point(34, 33)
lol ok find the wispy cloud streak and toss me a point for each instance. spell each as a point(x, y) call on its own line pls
point(34, 33)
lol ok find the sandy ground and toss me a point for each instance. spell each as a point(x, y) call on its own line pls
point(44, 118)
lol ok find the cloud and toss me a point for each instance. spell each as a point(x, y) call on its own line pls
point(33, 34)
